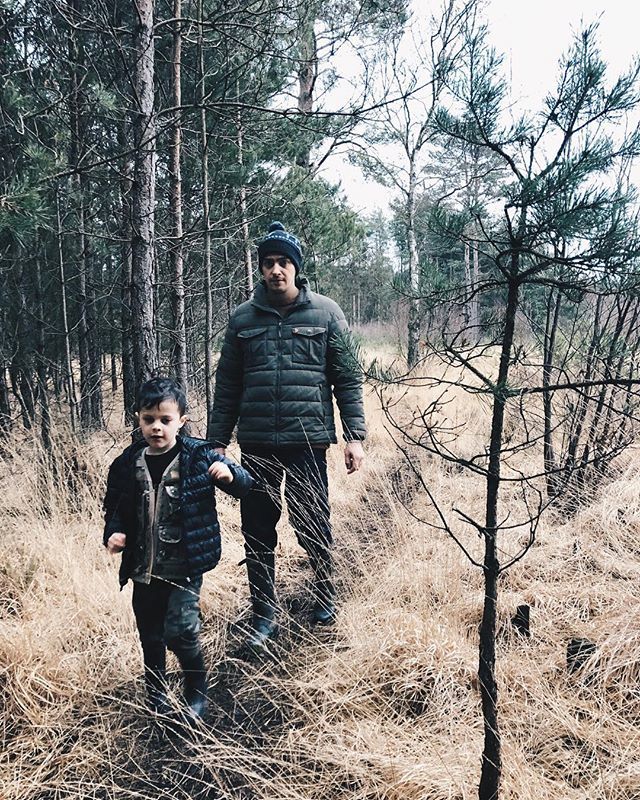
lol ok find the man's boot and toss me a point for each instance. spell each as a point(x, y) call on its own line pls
point(324, 593)
point(261, 572)
point(155, 679)
point(195, 685)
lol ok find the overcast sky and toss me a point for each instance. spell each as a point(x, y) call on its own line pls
point(532, 36)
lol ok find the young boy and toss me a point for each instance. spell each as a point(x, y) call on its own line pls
point(160, 512)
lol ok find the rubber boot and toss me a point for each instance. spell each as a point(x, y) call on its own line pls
point(261, 572)
point(155, 678)
point(324, 593)
point(195, 685)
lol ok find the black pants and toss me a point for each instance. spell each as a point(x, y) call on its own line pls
point(168, 615)
point(304, 470)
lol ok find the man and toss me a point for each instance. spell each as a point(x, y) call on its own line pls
point(284, 356)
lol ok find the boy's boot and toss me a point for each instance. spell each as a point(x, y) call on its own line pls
point(195, 684)
point(261, 572)
point(155, 679)
point(324, 593)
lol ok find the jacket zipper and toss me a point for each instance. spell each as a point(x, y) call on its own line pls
point(151, 507)
point(278, 376)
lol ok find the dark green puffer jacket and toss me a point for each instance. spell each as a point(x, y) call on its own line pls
point(276, 375)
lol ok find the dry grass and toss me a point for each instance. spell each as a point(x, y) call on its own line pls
point(384, 706)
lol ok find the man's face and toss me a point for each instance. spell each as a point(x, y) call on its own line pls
point(279, 273)
point(160, 425)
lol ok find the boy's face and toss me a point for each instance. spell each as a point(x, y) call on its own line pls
point(160, 426)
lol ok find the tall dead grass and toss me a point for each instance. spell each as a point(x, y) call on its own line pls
point(383, 706)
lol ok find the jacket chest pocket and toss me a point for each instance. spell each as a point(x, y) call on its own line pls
point(253, 342)
point(308, 344)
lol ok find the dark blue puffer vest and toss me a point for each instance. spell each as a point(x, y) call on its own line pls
point(197, 503)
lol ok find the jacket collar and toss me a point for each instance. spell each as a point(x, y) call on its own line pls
point(260, 297)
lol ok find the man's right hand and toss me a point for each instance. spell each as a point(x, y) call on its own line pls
point(116, 543)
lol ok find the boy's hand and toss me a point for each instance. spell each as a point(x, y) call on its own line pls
point(353, 456)
point(116, 543)
point(220, 472)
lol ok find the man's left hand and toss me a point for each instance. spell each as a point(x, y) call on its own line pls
point(353, 456)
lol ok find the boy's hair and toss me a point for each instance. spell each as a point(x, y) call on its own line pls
point(156, 390)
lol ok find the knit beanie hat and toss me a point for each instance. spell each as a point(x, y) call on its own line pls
point(280, 241)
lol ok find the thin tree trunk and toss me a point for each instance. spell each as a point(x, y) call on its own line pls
point(76, 191)
point(5, 404)
point(83, 336)
point(145, 358)
point(580, 412)
point(491, 769)
point(69, 381)
point(21, 364)
point(206, 254)
point(551, 327)
point(467, 283)
point(41, 362)
point(246, 241)
point(474, 306)
point(126, 278)
point(413, 328)
point(612, 372)
point(307, 75)
point(179, 349)
point(95, 349)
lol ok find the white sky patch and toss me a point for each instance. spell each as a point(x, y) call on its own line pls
point(532, 36)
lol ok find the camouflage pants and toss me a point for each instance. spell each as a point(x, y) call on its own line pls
point(168, 615)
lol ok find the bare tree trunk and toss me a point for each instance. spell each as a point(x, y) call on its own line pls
point(145, 357)
point(307, 75)
point(580, 413)
point(41, 362)
point(413, 328)
point(75, 155)
point(126, 278)
point(68, 381)
point(21, 373)
point(113, 360)
point(5, 405)
point(88, 350)
point(95, 348)
point(474, 307)
point(179, 349)
point(551, 327)
point(206, 254)
point(246, 242)
point(467, 282)
point(491, 769)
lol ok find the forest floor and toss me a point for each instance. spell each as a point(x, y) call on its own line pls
point(383, 705)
